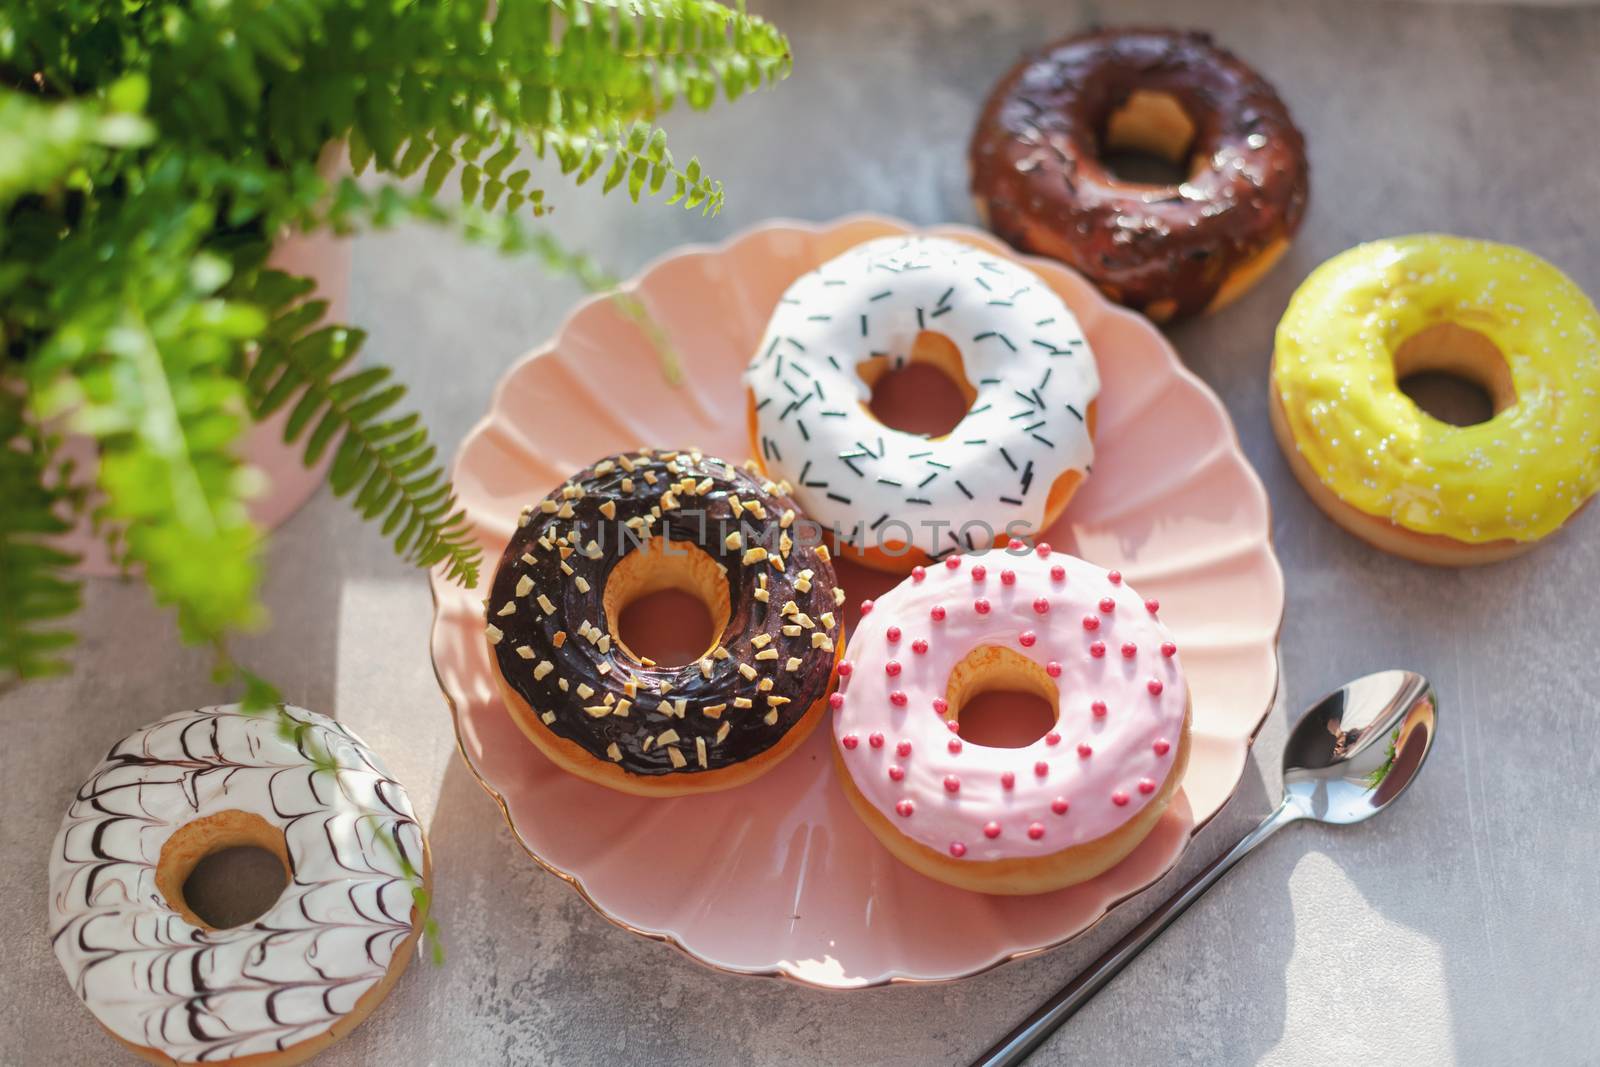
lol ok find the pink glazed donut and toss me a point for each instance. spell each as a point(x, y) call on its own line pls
point(1011, 820)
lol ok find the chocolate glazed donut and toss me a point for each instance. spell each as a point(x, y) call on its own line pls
point(631, 525)
point(1039, 181)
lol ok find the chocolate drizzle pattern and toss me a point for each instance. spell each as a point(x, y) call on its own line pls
point(1037, 170)
point(200, 995)
point(555, 644)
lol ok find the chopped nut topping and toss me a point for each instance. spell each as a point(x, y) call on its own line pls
point(627, 464)
point(613, 751)
point(598, 711)
point(603, 667)
point(527, 557)
point(827, 619)
point(678, 762)
point(790, 608)
point(763, 596)
point(548, 507)
point(734, 540)
point(548, 717)
point(585, 690)
point(791, 630)
point(767, 653)
point(700, 750)
point(705, 668)
point(742, 702)
point(722, 731)
point(838, 597)
point(761, 640)
point(509, 608)
point(787, 520)
point(720, 653)
point(627, 485)
point(754, 555)
point(668, 736)
point(713, 711)
point(559, 639)
point(748, 671)
point(771, 717)
point(793, 664)
point(764, 685)
point(524, 585)
point(494, 632)
point(621, 710)
point(822, 553)
point(545, 605)
point(604, 467)
point(524, 651)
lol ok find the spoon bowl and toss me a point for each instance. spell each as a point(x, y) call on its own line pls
point(1359, 747)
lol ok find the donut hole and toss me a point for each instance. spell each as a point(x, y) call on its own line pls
point(667, 603)
point(1455, 374)
point(224, 870)
point(1147, 140)
point(928, 394)
point(1001, 698)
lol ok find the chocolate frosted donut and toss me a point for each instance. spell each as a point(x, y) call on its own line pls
point(1039, 180)
point(635, 524)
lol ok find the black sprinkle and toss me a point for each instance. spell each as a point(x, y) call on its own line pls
point(935, 463)
point(805, 435)
point(937, 312)
point(1007, 455)
point(881, 295)
point(799, 368)
point(988, 381)
point(819, 318)
point(920, 323)
point(1045, 322)
point(964, 489)
point(985, 334)
point(796, 344)
point(805, 469)
point(1033, 426)
point(1027, 477)
point(880, 521)
point(853, 467)
point(840, 499)
point(890, 481)
point(980, 409)
point(1044, 381)
point(1039, 399)
point(835, 414)
point(815, 485)
point(928, 479)
point(777, 369)
point(792, 390)
point(976, 441)
point(863, 326)
point(1013, 501)
point(819, 390)
point(999, 303)
point(983, 283)
point(764, 402)
point(1026, 399)
point(833, 281)
point(768, 353)
point(919, 455)
point(917, 500)
point(1025, 413)
point(835, 363)
point(1076, 412)
point(1042, 440)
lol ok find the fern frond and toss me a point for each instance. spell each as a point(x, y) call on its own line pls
point(385, 458)
point(40, 143)
point(37, 591)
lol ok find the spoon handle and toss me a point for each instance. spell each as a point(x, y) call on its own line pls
point(1019, 1044)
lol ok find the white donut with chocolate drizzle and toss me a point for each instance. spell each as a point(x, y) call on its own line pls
point(1021, 348)
point(157, 980)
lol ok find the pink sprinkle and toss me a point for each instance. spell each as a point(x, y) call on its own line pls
point(1026, 638)
point(875, 740)
point(991, 829)
point(1155, 687)
point(1008, 577)
point(836, 701)
point(1162, 746)
point(1041, 768)
point(1041, 606)
point(1107, 605)
point(892, 668)
point(979, 572)
point(1119, 798)
point(1053, 669)
point(1129, 650)
point(920, 647)
point(1146, 786)
point(903, 749)
point(1152, 605)
point(895, 772)
point(1016, 545)
point(1097, 649)
point(1043, 548)
point(937, 612)
point(1008, 780)
point(952, 784)
point(1085, 751)
point(1091, 622)
point(893, 634)
point(957, 849)
point(1058, 573)
point(1114, 577)
point(952, 562)
point(898, 698)
point(849, 741)
point(918, 573)
point(954, 746)
point(1052, 738)
point(1099, 709)
point(866, 607)
point(981, 606)
point(905, 808)
point(941, 706)
point(845, 668)
point(1168, 649)
point(1059, 805)
point(1035, 830)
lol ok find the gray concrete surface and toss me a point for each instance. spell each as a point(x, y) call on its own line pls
point(1456, 930)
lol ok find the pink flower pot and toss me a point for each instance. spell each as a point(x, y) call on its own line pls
point(326, 260)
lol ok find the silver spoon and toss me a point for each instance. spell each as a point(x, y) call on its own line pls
point(1347, 759)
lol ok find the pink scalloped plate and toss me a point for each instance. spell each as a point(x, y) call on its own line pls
point(780, 877)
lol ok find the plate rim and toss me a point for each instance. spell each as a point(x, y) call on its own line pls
point(437, 578)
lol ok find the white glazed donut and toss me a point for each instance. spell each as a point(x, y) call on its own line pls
point(1023, 446)
point(274, 990)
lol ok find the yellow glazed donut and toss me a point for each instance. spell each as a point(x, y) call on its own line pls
point(1388, 471)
